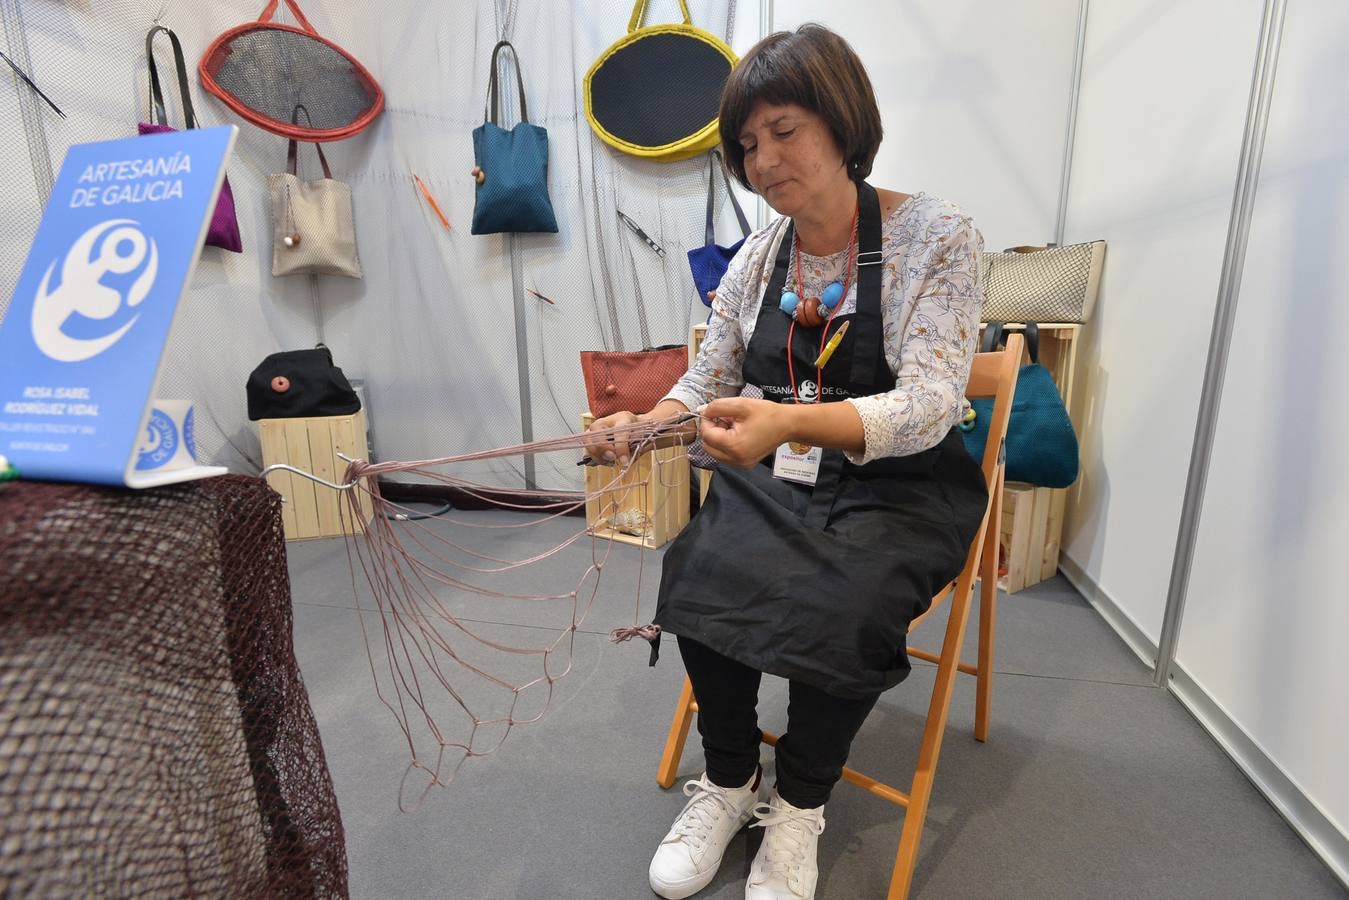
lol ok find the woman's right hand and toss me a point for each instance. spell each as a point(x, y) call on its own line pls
point(605, 449)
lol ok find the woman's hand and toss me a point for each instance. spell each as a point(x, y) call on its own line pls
point(740, 432)
point(609, 451)
point(605, 449)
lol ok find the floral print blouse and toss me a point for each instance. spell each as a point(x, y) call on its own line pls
point(930, 304)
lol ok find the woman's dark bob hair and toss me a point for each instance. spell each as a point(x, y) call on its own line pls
point(814, 68)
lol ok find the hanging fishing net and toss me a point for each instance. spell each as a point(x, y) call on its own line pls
point(456, 685)
point(263, 70)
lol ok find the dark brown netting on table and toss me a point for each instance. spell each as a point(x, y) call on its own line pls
point(156, 739)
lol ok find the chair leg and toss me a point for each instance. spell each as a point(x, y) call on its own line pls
point(988, 612)
point(679, 733)
point(906, 858)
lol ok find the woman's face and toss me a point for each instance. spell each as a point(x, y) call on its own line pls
point(790, 156)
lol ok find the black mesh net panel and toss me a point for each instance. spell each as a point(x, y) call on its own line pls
point(156, 739)
point(659, 89)
point(264, 71)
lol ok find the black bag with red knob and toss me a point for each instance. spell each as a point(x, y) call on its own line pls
point(298, 384)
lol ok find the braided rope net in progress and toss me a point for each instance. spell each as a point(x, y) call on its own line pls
point(156, 738)
point(456, 691)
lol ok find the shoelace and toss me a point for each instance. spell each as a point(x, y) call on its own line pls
point(786, 843)
point(700, 813)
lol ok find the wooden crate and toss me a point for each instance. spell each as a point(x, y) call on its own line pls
point(1029, 534)
point(696, 336)
point(312, 510)
point(653, 495)
point(1032, 517)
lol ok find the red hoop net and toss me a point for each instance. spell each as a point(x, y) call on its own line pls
point(262, 70)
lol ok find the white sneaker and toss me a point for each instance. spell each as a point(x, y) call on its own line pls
point(785, 867)
point(688, 857)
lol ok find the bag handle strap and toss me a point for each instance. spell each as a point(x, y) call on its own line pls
point(492, 97)
point(994, 336)
point(293, 148)
point(157, 109)
point(639, 13)
point(709, 234)
point(1032, 333)
point(294, 8)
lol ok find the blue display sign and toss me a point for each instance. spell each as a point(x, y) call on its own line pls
point(84, 335)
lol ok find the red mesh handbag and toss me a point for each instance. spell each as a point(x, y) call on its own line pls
point(263, 69)
point(617, 381)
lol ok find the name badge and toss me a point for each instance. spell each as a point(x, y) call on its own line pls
point(797, 462)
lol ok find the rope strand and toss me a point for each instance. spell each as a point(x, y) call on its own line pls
point(420, 650)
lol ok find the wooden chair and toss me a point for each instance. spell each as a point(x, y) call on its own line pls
point(993, 375)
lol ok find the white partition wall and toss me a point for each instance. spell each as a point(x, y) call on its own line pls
point(1162, 107)
point(974, 98)
point(1267, 612)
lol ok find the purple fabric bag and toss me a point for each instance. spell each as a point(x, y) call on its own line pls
point(224, 230)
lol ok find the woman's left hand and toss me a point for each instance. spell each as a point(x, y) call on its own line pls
point(739, 431)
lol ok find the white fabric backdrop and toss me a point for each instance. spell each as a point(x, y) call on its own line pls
point(431, 328)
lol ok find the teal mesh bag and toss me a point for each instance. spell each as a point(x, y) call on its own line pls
point(511, 167)
point(1041, 443)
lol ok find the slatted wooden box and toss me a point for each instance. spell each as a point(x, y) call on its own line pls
point(312, 510)
point(1029, 534)
point(651, 499)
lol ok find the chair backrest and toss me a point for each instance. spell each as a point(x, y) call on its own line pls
point(994, 375)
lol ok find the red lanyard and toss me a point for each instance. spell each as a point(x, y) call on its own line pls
point(824, 331)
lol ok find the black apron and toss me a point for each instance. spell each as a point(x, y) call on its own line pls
point(819, 583)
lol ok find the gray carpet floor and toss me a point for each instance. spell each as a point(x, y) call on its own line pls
point(1093, 784)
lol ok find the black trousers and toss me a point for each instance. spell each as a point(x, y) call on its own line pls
point(810, 756)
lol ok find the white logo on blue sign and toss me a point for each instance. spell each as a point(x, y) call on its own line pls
point(113, 247)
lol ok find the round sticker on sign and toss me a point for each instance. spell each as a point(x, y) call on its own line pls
point(169, 441)
point(161, 441)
